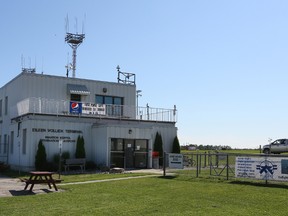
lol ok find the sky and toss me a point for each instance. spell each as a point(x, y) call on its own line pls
point(222, 63)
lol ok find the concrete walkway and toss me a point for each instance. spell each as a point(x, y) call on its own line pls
point(14, 187)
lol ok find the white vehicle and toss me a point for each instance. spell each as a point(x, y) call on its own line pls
point(276, 147)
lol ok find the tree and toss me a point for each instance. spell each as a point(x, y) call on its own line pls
point(158, 147)
point(41, 157)
point(80, 148)
point(176, 146)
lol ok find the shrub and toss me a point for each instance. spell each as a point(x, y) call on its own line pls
point(158, 147)
point(80, 148)
point(65, 155)
point(3, 166)
point(176, 146)
point(90, 165)
point(41, 157)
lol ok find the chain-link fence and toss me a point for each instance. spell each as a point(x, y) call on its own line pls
point(235, 165)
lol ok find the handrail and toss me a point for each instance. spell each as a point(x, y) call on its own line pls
point(62, 107)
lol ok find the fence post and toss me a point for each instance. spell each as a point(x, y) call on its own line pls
point(197, 169)
point(227, 166)
point(200, 160)
point(164, 164)
point(205, 160)
point(209, 161)
point(217, 159)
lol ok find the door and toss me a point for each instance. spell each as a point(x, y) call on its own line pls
point(129, 153)
point(141, 153)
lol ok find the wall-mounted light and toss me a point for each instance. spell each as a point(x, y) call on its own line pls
point(130, 131)
point(104, 90)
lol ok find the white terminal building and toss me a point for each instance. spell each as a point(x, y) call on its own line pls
point(56, 109)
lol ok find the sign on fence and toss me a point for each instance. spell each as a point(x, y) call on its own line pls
point(175, 161)
point(266, 168)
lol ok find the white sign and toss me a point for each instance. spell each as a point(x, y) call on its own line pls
point(175, 161)
point(60, 144)
point(267, 168)
point(93, 109)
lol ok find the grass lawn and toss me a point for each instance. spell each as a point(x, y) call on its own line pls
point(179, 195)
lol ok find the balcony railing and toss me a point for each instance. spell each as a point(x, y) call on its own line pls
point(62, 107)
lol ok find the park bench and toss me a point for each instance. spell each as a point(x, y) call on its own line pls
point(75, 162)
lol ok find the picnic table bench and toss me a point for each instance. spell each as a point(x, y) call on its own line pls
point(40, 177)
point(75, 162)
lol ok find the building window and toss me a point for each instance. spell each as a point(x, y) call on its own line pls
point(6, 105)
point(0, 107)
point(12, 142)
point(114, 105)
point(5, 144)
point(75, 97)
point(24, 141)
point(100, 99)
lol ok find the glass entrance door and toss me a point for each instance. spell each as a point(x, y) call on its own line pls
point(129, 153)
point(141, 153)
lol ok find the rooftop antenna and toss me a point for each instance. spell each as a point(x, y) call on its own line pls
point(42, 71)
point(124, 77)
point(29, 69)
point(68, 66)
point(74, 41)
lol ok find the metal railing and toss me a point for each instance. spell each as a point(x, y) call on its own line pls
point(63, 107)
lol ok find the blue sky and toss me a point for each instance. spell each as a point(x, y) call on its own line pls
point(222, 63)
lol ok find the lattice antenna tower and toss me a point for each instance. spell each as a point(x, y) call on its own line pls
point(74, 40)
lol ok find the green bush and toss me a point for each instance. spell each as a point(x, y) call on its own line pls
point(90, 165)
point(80, 148)
point(65, 155)
point(3, 166)
point(158, 147)
point(176, 146)
point(41, 157)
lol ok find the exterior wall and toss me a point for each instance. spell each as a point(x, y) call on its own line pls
point(97, 137)
point(97, 132)
point(49, 131)
point(28, 85)
point(100, 146)
point(102, 135)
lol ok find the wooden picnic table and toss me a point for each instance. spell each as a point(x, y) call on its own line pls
point(41, 177)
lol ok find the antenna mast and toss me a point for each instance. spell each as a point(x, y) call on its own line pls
point(74, 41)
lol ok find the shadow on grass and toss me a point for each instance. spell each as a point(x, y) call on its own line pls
point(28, 192)
point(168, 177)
point(260, 184)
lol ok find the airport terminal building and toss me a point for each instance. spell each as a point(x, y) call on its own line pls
point(58, 109)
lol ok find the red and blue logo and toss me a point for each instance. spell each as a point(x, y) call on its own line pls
point(75, 107)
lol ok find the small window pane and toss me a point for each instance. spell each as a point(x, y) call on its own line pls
point(75, 97)
point(99, 99)
point(108, 100)
point(118, 101)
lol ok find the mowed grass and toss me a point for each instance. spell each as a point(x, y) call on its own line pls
point(178, 195)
